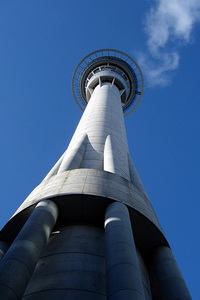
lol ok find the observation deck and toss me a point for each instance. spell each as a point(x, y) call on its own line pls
point(108, 65)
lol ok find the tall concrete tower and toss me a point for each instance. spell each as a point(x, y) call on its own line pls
point(88, 231)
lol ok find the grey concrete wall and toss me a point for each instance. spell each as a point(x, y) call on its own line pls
point(72, 266)
point(93, 182)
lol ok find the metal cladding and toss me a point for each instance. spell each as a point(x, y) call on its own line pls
point(88, 230)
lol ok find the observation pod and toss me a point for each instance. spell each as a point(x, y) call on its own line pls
point(88, 230)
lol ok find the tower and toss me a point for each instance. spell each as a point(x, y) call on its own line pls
point(88, 231)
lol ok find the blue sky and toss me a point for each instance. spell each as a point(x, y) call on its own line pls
point(42, 41)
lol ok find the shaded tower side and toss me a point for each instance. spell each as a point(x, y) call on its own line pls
point(92, 227)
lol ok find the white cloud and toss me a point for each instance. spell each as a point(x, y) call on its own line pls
point(156, 71)
point(166, 23)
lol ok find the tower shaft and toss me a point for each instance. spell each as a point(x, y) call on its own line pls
point(102, 131)
point(88, 230)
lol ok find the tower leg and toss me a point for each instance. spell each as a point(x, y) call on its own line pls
point(170, 281)
point(123, 273)
point(20, 260)
point(3, 248)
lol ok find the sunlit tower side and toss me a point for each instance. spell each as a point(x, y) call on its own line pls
point(88, 230)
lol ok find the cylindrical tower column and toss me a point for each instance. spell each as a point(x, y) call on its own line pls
point(95, 170)
point(20, 260)
point(123, 272)
point(102, 120)
point(106, 145)
point(3, 248)
point(171, 283)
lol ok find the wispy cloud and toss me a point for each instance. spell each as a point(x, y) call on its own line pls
point(166, 24)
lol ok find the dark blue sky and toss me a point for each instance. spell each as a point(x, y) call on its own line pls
point(41, 42)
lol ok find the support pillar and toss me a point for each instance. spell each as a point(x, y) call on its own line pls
point(3, 248)
point(123, 273)
point(20, 260)
point(171, 283)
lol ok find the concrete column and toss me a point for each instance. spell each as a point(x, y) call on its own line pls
point(3, 248)
point(169, 278)
point(145, 277)
point(123, 272)
point(20, 260)
point(102, 117)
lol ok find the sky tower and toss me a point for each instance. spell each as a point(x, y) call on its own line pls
point(88, 230)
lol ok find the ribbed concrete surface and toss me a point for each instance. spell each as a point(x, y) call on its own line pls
point(71, 267)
